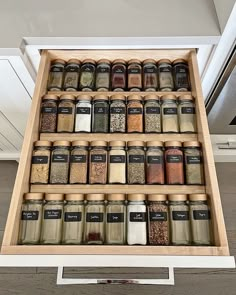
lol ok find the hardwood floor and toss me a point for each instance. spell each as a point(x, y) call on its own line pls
point(40, 281)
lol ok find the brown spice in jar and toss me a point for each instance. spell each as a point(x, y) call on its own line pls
point(134, 114)
point(66, 114)
point(155, 163)
point(134, 75)
point(98, 162)
point(48, 122)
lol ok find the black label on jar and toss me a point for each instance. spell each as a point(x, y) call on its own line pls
point(188, 110)
point(152, 110)
point(180, 215)
point(52, 214)
point(166, 69)
point(115, 217)
point(56, 69)
point(94, 217)
point(65, 110)
point(150, 70)
point(29, 215)
point(155, 159)
point(194, 159)
point(39, 159)
point(117, 159)
point(117, 110)
point(49, 110)
point(158, 216)
point(174, 158)
point(83, 111)
point(170, 111)
point(135, 111)
point(78, 159)
point(118, 69)
point(201, 214)
point(137, 216)
point(72, 69)
point(72, 216)
point(134, 71)
point(100, 110)
point(60, 158)
point(88, 68)
point(136, 159)
point(103, 70)
point(98, 158)
point(181, 69)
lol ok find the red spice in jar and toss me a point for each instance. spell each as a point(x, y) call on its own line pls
point(118, 75)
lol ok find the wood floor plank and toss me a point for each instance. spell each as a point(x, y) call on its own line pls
point(8, 171)
point(226, 177)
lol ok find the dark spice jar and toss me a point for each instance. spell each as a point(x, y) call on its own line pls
point(117, 113)
point(87, 75)
point(166, 82)
point(158, 220)
point(118, 75)
point(66, 113)
point(134, 75)
point(181, 75)
point(103, 75)
point(155, 163)
point(136, 162)
point(48, 120)
point(134, 114)
point(174, 162)
point(71, 78)
point(150, 82)
point(56, 75)
point(100, 113)
point(152, 114)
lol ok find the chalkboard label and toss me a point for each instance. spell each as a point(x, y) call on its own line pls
point(158, 216)
point(103, 69)
point(180, 215)
point(49, 110)
point(100, 110)
point(137, 216)
point(115, 217)
point(119, 69)
point(174, 159)
point(39, 159)
point(166, 69)
point(117, 159)
point(188, 110)
point(136, 159)
point(194, 159)
point(72, 216)
point(150, 70)
point(155, 159)
point(152, 110)
point(60, 158)
point(201, 214)
point(78, 159)
point(135, 111)
point(94, 217)
point(55, 68)
point(98, 158)
point(117, 110)
point(29, 215)
point(170, 111)
point(87, 68)
point(134, 71)
point(65, 110)
point(181, 69)
point(52, 214)
point(72, 69)
point(83, 111)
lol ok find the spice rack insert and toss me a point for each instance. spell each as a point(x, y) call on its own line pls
point(22, 185)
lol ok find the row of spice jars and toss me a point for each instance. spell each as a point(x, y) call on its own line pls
point(159, 221)
point(150, 114)
point(119, 75)
point(158, 163)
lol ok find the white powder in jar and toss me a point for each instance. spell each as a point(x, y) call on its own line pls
point(83, 116)
point(117, 166)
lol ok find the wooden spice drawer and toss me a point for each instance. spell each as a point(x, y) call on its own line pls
point(22, 185)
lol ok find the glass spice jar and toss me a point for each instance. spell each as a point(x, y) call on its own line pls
point(134, 75)
point(66, 113)
point(117, 162)
point(169, 114)
point(56, 74)
point(100, 113)
point(136, 220)
point(150, 82)
point(40, 162)
point(83, 115)
point(155, 163)
point(136, 162)
point(60, 160)
point(79, 162)
point(152, 114)
point(51, 233)
point(200, 218)
point(194, 173)
point(166, 82)
point(87, 75)
point(187, 115)
point(116, 220)
point(179, 220)
point(98, 162)
point(94, 229)
point(48, 120)
point(134, 114)
point(118, 75)
point(174, 162)
point(181, 75)
point(71, 78)
point(103, 75)
point(117, 113)
point(73, 221)
point(31, 219)
point(158, 220)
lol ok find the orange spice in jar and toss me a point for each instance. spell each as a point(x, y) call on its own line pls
point(134, 114)
point(134, 75)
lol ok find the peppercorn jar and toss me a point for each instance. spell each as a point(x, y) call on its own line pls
point(40, 162)
point(52, 224)
point(136, 220)
point(94, 228)
point(179, 220)
point(152, 114)
point(100, 114)
point(155, 163)
point(166, 82)
point(31, 219)
point(98, 162)
point(71, 78)
point(73, 220)
point(117, 162)
point(134, 75)
point(118, 75)
point(56, 75)
point(136, 162)
point(169, 114)
point(103, 75)
point(60, 160)
point(200, 218)
point(66, 113)
point(150, 82)
point(79, 162)
point(181, 75)
point(174, 162)
point(194, 173)
point(158, 220)
point(87, 75)
point(135, 114)
point(83, 116)
point(116, 219)
point(117, 113)
point(48, 118)
point(187, 114)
